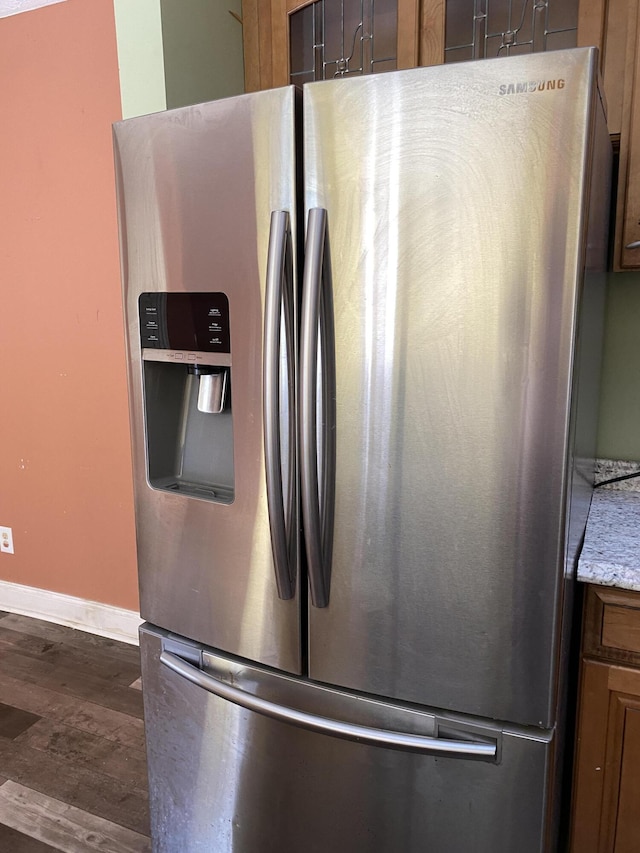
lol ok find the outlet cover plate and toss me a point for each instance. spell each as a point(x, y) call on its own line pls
point(6, 540)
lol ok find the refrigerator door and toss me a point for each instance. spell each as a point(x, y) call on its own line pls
point(233, 780)
point(207, 205)
point(455, 202)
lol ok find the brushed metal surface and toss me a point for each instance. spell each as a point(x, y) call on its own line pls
point(228, 780)
point(213, 359)
point(212, 392)
point(347, 730)
point(456, 200)
point(279, 392)
point(196, 188)
point(317, 385)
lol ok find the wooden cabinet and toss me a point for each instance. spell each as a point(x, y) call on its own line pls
point(420, 27)
point(605, 24)
point(627, 236)
point(267, 30)
point(606, 800)
point(614, 26)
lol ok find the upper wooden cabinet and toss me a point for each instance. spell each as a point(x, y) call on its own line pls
point(627, 235)
point(614, 26)
point(287, 41)
point(604, 23)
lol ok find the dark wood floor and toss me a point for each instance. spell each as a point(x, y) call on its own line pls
point(72, 760)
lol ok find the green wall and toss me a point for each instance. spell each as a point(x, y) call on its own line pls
point(619, 428)
point(140, 56)
point(202, 45)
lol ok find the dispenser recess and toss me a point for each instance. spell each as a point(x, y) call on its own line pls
point(186, 371)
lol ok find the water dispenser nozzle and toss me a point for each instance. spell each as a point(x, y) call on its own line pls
point(212, 389)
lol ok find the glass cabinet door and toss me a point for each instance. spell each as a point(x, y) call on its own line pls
point(288, 41)
point(480, 29)
point(457, 30)
point(336, 38)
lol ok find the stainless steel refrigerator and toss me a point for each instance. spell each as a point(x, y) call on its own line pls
point(363, 328)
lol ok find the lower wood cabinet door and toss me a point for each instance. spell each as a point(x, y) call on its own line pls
point(606, 804)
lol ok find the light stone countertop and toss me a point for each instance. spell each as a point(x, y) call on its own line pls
point(611, 552)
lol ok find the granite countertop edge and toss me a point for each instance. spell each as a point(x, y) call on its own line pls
point(611, 551)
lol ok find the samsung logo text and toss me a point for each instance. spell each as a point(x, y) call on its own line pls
point(530, 86)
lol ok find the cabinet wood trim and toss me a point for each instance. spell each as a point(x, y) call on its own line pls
point(432, 32)
point(613, 61)
point(619, 708)
point(621, 628)
point(591, 750)
point(251, 45)
point(624, 680)
point(265, 39)
point(626, 838)
point(281, 62)
point(592, 20)
point(408, 31)
point(628, 207)
point(598, 630)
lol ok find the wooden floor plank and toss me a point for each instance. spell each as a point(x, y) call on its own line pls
point(14, 721)
point(37, 627)
point(88, 750)
point(110, 662)
point(28, 644)
point(95, 661)
point(89, 717)
point(73, 681)
point(12, 841)
point(72, 751)
point(54, 633)
point(85, 789)
point(66, 828)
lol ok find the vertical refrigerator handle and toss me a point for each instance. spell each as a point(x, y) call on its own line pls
point(317, 480)
point(279, 303)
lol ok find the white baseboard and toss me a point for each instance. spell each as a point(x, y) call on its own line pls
point(92, 616)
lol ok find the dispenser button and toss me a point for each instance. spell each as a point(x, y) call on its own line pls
point(191, 356)
point(179, 355)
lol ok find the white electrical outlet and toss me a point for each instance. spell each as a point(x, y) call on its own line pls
point(6, 540)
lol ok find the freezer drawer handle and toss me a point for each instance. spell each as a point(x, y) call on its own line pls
point(278, 303)
point(318, 492)
point(323, 725)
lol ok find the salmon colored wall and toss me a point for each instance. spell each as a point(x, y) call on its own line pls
point(65, 470)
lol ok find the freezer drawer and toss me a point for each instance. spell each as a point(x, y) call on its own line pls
point(224, 778)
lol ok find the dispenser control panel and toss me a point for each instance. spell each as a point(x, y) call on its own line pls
point(185, 321)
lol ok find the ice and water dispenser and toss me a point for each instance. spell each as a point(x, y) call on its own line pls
point(186, 362)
